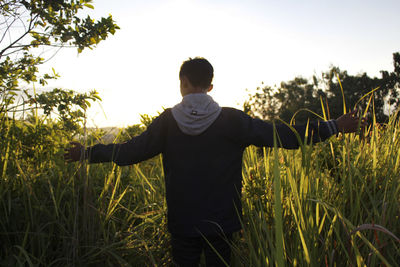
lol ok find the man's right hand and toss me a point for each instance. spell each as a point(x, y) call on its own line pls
point(74, 152)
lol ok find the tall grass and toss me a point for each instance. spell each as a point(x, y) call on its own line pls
point(340, 202)
point(334, 203)
point(47, 221)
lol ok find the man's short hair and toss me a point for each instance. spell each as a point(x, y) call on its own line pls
point(199, 72)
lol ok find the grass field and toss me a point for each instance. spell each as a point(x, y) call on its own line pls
point(335, 203)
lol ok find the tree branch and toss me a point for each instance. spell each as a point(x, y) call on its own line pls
point(21, 48)
point(30, 27)
point(7, 30)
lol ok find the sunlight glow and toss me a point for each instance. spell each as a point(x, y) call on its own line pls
point(136, 71)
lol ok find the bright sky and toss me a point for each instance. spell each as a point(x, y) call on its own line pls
point(248, 42)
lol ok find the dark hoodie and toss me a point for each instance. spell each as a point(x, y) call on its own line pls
point(202, 147)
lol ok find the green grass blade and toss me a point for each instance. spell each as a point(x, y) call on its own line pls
point(279, 260)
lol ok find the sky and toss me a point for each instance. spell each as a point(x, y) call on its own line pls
point(247, 42)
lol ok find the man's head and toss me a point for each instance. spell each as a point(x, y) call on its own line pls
point(196, 75)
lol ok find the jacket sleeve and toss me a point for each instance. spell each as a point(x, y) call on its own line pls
point(140, 148)
point(260, 133)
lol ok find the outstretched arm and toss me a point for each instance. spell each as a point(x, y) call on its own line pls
point(260, 133)
point(142, 147)
point(135, 150)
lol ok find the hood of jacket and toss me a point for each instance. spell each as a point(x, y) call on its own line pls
point(195, 113)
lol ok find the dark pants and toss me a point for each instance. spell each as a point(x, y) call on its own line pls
point(186, 251)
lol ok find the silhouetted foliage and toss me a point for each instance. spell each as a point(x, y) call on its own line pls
point(30, 25)
point(290, 97)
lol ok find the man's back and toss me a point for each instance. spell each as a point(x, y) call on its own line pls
point(203, 176)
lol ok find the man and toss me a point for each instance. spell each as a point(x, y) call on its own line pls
point(202, 146)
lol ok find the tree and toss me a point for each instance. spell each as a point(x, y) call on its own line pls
point(26, 29)
point(291, 98)
point(391, 81)
point(282, 102)
point(356, 87)
point(28, 26)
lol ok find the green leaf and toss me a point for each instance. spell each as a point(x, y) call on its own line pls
point(89, 6)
